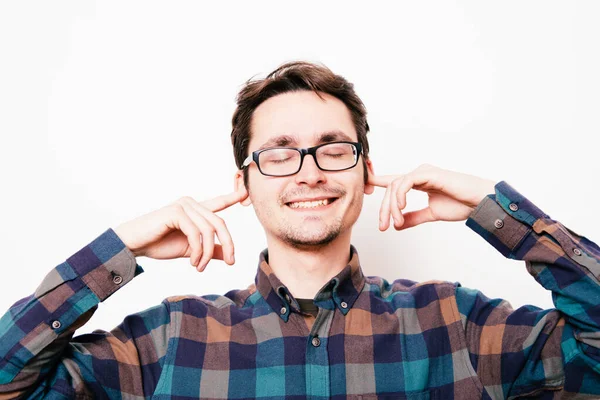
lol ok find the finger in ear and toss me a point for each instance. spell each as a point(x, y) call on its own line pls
point(246, 202)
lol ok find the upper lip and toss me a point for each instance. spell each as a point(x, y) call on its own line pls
point(310, 199)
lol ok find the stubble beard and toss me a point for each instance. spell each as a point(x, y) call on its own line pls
point(299, 237)
point(298, 234)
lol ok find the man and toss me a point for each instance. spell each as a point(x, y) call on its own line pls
point(312, 325)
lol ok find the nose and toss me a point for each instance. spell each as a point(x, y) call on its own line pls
point(310, 174)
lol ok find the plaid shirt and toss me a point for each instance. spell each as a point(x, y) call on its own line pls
point(371, 339)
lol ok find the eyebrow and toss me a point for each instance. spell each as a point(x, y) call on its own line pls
point(292, 140)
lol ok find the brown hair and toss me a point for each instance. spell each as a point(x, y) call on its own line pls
point(291, 77)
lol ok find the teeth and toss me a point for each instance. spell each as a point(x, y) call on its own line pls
point(309, 204)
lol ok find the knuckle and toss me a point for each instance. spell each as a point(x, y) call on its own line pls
point(220, 221)
point(176, 207)
point(184, 199)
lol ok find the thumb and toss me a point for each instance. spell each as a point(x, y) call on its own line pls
point(218, 252)
point(414, 218)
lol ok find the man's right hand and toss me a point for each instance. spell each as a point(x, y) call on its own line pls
point(185, 228)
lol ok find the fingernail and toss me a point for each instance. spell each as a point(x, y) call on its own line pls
point(232, 259)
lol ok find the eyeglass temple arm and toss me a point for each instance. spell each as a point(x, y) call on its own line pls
point(247, 161)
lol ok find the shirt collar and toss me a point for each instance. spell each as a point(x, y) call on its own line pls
point(341, 291)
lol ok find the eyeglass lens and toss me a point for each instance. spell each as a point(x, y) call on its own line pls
point(333, 157)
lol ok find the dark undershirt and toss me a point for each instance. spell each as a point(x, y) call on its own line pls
point(308, 306)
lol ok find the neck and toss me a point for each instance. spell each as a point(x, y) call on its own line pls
point(305, 271)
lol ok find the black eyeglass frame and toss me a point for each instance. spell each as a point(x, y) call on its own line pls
point(303, 152)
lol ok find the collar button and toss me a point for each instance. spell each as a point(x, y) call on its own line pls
point(283, 310)
point(344, 304)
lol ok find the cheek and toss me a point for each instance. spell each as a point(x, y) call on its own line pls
point(356, 185)
point(358, 193)
point(264, 194)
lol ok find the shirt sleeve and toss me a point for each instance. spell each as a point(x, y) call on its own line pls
point(530, 350)
point(40, 357)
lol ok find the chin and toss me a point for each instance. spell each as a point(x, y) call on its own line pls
point(316, 238)
point(310, 244)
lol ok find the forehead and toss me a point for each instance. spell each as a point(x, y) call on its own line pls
point(302, 118)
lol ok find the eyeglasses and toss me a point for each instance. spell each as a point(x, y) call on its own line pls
point(285, 161)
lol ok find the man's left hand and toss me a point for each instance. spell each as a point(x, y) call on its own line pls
point(452, 196)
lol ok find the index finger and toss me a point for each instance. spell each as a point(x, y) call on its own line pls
point(382, 180)
point(224, 201)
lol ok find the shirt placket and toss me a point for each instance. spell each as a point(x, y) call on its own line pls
point(318, 384)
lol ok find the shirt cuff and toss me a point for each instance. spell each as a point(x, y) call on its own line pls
point(504, 219)
point(104, 266)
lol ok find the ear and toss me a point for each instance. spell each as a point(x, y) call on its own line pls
point(238, 184)
point(371, 172)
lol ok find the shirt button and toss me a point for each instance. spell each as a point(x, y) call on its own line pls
point(577, 251)
point(344, 304)
point(56, 324)
point(513, 207)
point(316, 342)
point(117, 279)
point(283, 310)
point(498, 223)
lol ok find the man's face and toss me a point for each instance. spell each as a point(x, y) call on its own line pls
point(302, 119)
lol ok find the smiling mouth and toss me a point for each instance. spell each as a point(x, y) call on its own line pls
point(311, 204)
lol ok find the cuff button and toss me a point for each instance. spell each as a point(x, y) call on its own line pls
point(577, 251)
point(56, 324)
point(117, 279)
point(513, 207)
point(498, 223)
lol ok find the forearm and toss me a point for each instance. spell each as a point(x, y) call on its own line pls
point(36, 330)
point(554, 349)
point(560, 260)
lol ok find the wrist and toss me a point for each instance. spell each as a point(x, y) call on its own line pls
point(119, 232)
point(489, 187)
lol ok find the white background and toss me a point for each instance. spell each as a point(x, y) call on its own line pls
point(110, 110)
